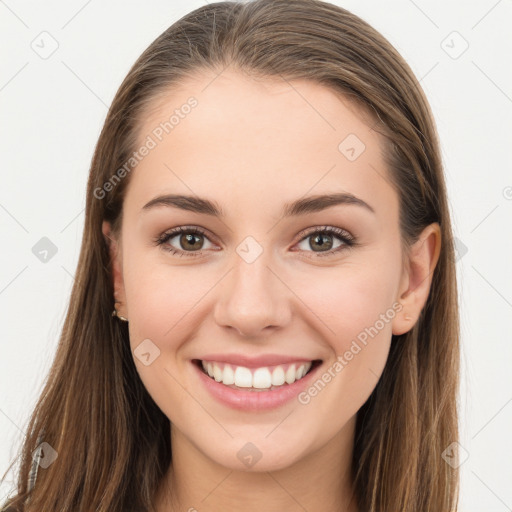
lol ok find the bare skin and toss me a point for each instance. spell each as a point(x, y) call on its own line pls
point(252, 146)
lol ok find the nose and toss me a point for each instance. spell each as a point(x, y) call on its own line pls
point(253, 299)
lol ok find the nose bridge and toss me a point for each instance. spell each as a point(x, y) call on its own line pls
point(253, 297)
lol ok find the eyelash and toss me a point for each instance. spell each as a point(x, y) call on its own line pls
point(347, 239)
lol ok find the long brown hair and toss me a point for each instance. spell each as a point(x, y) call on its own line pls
point(112, 441)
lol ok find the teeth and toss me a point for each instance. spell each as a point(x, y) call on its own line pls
point(217, 373)
point(243, 377)
point(290, 374)
point(228, 375)
point(259, 378)
point(278, 376)
point(262, 378)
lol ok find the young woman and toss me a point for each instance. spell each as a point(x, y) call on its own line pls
point(264, 315)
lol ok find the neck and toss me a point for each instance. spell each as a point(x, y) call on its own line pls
point(320, 481)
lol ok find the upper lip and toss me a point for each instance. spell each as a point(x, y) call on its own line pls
point(254, 362)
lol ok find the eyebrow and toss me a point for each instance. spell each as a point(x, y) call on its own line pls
point(302, 206)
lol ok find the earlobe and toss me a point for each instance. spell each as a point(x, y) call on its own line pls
point(116, 269)
point(417, 278)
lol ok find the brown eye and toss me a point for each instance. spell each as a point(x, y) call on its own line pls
point(321, 241)
point(191, 241)
point(184, 241)
point(326, 241)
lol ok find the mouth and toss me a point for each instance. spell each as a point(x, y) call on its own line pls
point(261, 379)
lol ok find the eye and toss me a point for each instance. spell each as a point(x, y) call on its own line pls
point(324, 239)
point(189, 239)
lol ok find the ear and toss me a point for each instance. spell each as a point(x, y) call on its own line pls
point(116, 263)
point(417, 278)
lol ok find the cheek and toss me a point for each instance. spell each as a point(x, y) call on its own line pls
point(348, 300)
point(160, 295)
point(161, 302)
point(356, 309)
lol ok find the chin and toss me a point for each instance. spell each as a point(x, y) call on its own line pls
point(259, 455)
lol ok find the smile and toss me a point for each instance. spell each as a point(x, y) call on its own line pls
point(254, 384)
point(267, 377)
point(256, 379)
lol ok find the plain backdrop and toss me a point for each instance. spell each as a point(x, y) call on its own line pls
point(52, 110)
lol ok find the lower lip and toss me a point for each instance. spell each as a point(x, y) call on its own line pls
point(254, 400)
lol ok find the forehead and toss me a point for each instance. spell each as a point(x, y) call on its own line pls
point(247, 138)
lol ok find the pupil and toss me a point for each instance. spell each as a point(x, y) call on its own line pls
point(188, 238)
point(323, 245)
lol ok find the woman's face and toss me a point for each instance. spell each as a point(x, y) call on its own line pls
point(259, 289)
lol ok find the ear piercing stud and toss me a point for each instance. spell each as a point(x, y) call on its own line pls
point(115, 313)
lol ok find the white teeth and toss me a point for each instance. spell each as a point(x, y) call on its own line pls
point(259, 378)
point(278, 376)
point(243, 377)
point(262, 378)
point(229, 375)
point(290, 375)
point(217, 373)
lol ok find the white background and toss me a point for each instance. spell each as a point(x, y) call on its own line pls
point(52, 111)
